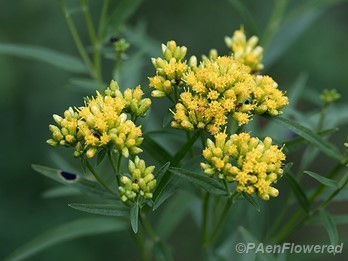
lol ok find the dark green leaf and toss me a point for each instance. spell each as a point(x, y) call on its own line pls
point(86, 84)
point(79, 182)
point(116, 210)
point(121, 13)
point(61, 60)
point(173, 213)
point(162, 252)
point(156, 151)
point(326, 147)
point(207, 183)
point(299, 193)
point(61, 191)
point(101, 155)
point(251, 239)
point(75, 229)
point(165, 188)
point(296, 143)
point(134, 217)
point(330, 226)
point(252, 201)
point(325, 181)
point(182, 152)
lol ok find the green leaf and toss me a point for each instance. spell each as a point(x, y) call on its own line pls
point(101, 155)
point(326, 147)
point(298, 142)
point(156, 151)
point(121, 13)
point(42, 54)
point(207, 183)
point(134, 217)
point(182, 152)
point(116, 210)
point(61, 191)
point(75, 229)
point(164, 189)
point(299, 193)
point(86, 84)
point(173, 213)
point(251, 239)
point(162, 252)
point(252, 201)
point(330, 226)
point(325, 181)
point(74, 180)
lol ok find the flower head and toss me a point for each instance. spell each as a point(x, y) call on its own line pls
point(246, 51)
point(170, 70)
point(102, 121)
point(253, 164)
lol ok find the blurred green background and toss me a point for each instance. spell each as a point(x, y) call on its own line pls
point(31, 91)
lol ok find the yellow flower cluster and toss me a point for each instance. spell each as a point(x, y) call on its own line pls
point(254, 164)
point(102, 121)
point(169, 71)
point(246, 51)
point(142, 182)
point(223, 86)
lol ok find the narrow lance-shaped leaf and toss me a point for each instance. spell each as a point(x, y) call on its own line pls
point(134, 217)
point(207, 183)
point(299, 193)
point(330, 226)
point(61, 60)
point(252, 201)
point(75, 229)
point(326, 147)
point(116, 210)
point(325, 181)
point(73, 180)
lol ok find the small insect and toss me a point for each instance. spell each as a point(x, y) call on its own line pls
point(114, 39)
point(68, 176)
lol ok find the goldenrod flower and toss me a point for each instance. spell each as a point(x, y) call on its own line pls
point(170, 70)
point(254, 164)
point(246, 51)
point(221, 87)
point(102, 121)
point(142, 181)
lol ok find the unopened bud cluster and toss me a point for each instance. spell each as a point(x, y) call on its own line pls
point(254, 164)
point(246, 50)
point(169, 69)
point(141, 181)
point(102, 121)
point(330, 96)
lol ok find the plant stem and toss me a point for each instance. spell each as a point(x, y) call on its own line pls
point(102, 20)
point(222, 219)
point(148, 228)
point(115, 167)
point(274, 22)
point(81, 49)
point(99, 179)
point(94, 40)
point(205, 217)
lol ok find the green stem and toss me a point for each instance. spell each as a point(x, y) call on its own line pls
point(81, 49)
point(148, 228)
point(205, 217)
point(94, 40)
point(114, 166)
point(102, 20)
point(274, 22)
point(222, 219)
point(99, 179)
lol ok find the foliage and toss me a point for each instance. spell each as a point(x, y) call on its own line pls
point(139, 171)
